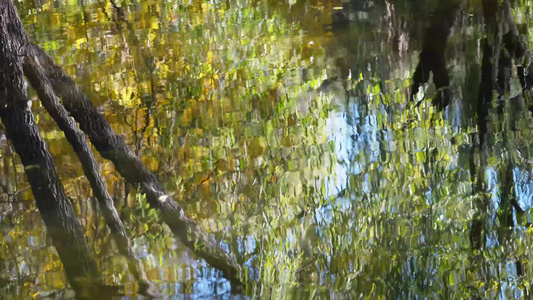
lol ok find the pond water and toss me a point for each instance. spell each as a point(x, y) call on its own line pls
point(285, 129)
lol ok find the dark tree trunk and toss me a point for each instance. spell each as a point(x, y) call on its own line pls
point(485, 92)
point(432, 57)
point(57, 213)
point(501, 46)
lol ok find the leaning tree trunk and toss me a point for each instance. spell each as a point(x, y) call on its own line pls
point(56, 211)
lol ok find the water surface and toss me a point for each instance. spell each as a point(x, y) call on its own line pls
point(284, 128)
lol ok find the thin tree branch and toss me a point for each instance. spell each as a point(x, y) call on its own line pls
point(111, 146)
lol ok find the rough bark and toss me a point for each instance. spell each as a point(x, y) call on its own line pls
point(35, 73)
point(57, 213)
point(111, 146)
